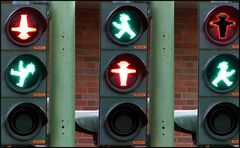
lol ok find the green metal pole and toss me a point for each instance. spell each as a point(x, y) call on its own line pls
point(62, 74)
point(162, 74)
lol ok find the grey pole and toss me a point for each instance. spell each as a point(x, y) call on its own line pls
point(162, 74)
point(62, 74)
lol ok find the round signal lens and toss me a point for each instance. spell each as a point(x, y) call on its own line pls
point(222, 25)
point(25, 26)
point(125, 72)
point(125, 25)
point(222, 121)
point(24, 73)
point(222, 73)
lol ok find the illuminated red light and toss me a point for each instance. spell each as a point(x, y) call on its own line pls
point(23, 28)
point(123, 72)
point(222, 25)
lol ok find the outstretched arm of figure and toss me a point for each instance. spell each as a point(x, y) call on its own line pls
point(231, 73)
point(216, 23)
point(230, 23)
point(117, 25)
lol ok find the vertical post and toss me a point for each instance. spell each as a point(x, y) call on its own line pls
point(162, 75)
point(62, 74)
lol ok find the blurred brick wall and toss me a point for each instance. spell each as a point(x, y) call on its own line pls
point(87, 65)
point(186, 54)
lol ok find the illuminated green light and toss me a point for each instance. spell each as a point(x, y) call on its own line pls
point(124, 26)
point(23, 73)
point(223, 74)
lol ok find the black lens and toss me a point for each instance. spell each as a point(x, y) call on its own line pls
point(23, 121)
point(222, 120)
point(123, 122)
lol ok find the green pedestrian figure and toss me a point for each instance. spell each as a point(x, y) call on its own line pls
point(23, 72)
point(124, 26)
point(223, 74)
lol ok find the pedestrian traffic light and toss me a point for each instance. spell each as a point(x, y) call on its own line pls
point(23, 74)
point(124, 26)
point(218, 70)
point(221, 74)
point(123, 74)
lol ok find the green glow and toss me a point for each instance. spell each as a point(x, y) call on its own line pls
point(124, 26)
point(22, 72)
point(223, 74)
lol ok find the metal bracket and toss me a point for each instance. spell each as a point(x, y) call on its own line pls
point(186, 121)
point(86, 121)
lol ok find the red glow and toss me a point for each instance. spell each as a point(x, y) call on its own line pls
point(222, 24)
point(123, 72)
point(227, 24)
point(23, 28)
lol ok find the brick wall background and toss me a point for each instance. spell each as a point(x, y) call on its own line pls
point(185, 77)
point(87, 65)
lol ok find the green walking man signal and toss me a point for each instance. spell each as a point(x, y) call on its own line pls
point(223, 74)
point(23, 72)
point(124, 26)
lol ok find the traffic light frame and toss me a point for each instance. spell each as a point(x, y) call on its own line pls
point(206, 37)
point(218, 74)
point(23, 74)
point(123, 74)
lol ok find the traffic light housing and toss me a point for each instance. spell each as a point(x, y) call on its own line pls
point(218, 71)
point(23, 74)
point(123, 74)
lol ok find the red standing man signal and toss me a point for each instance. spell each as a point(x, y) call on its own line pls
point(123, 72)
point(222, 24)
point(23, 28)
